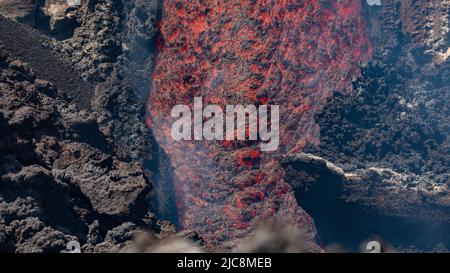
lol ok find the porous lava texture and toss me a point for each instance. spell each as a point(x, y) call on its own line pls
point(289, 53)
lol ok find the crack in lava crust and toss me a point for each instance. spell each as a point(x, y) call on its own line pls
point(280, 52)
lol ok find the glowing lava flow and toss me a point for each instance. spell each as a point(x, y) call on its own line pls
point(290, 53)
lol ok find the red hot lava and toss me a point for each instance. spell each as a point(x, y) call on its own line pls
point(291, 53)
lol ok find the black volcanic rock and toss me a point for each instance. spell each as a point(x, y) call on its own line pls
point(54, 179)
point(390, 135)
point(21, 10)
point(45, 63)
point(73, 152)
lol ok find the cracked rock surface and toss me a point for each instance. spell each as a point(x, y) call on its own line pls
point(74, 140)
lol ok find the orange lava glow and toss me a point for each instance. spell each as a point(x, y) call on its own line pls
point(278, 52)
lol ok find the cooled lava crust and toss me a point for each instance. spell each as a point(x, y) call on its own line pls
point(281, 52)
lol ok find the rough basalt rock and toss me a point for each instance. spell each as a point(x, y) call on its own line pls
point(72, 118)
point(62, 178)
point(53, 156)
point(112, 187)
point(392, 131)
point(95, 46)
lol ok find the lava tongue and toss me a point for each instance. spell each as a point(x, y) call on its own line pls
point(285, 52)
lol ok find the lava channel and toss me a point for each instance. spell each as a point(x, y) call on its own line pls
point(290, 53)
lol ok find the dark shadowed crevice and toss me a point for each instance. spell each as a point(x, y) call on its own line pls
point(350, 224)
point(162, 195)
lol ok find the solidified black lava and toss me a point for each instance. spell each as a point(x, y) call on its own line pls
point(397, 115)
point(351, 224)
point(396, 119)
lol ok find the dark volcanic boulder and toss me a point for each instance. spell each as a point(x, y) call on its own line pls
point(59, 178)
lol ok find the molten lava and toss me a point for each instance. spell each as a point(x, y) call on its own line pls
point(290, 53)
